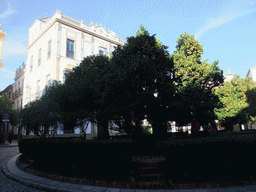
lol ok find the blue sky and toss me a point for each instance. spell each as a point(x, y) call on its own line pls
point(226, 29)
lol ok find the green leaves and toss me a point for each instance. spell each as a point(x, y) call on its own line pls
point(6, 107)
point(238, 98)
point(194, 80)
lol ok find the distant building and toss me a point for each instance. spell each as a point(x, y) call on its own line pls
point(17, 94)
point(18, 87)
point(7, 91)
point(2, 36)
point(228, 77)
point(252, 73)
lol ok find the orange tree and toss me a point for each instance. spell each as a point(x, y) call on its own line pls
point(194, 82)
point(124, 86)
point(141, 69)
point(84, 88)
point(41, 114)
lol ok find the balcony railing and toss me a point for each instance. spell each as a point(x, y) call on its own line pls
point(20, 91)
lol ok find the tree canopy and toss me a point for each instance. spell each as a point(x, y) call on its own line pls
point(6, 107)
point(140, 80)
point(195, 80)
point(238, 99)
point(140, 69)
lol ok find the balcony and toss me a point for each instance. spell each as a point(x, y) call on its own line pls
point(20, 91)
point(17, 93)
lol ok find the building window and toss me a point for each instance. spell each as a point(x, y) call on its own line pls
point(69, 130)
point(49, 49)
point(48, 81)
point(70, 48)
point(31, 63)
point(100, 52)
point(38, 90)
point(39, 57)
point(38, 85)
point(66, 72)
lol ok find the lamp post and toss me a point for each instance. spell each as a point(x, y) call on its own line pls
point(6, 117)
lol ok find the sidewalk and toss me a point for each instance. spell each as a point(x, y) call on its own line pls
point(10, 169)
point(6, 144)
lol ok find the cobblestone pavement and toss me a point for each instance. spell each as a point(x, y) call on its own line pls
point(6, 185)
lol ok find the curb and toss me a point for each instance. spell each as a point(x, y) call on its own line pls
point(43, 183)
point(11, 171)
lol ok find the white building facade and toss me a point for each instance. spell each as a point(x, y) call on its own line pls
point(58, 44)
point(228, 77)
point(18, 86)
point(252, 73)
point(17, 94)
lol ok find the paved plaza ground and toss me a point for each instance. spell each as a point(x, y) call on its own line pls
point(6, 185)
point(9, 153)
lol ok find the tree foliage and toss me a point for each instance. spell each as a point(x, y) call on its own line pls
point(238, 99)
point(38, 116)
point(140, 80)
point(142, 68)
point(195, 81)
point(6, 107)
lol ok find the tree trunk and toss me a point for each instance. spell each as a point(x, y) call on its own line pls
point(138, 129)
point(69, 126)
point(159, 130)
point(102, 128)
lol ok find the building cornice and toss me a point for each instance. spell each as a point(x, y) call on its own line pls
point(57, 20)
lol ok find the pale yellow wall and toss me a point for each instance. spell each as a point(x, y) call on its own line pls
point(2, 36)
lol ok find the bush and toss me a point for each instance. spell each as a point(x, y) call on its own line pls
point(147, 130)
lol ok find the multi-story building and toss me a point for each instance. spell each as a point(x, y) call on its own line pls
point(252, 73)
point(2, 36)
point(7, 91)
point(58, 44)
point(17, 94)
point(18, 87)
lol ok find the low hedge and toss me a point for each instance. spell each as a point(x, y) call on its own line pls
point(229, 154)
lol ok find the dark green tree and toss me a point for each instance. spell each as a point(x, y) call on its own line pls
point(6, 107)
point(141, 69)
point(85, 87)
point(38, 116)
